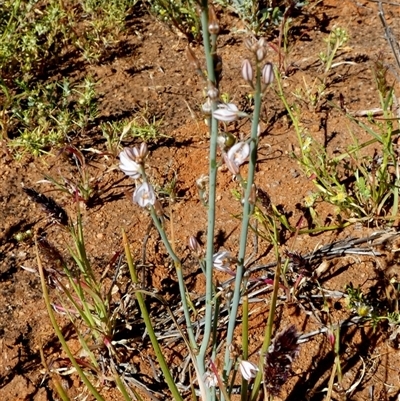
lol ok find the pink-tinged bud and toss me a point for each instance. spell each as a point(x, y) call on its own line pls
point(206, 107)
point(143, 151)
point(260, 54)
point(193, 59)
point(194, 245)
point(248, 43)
point(268, 73)
point(262, 42)
point(140, 153)
point(331, 338)
point(213, 26)
point(247, 71)
point(213, 93)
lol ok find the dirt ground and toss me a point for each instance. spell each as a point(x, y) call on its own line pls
point(149, 71)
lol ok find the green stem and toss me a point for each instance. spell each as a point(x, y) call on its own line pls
point(270, 323)
point(60, 335)
point(289, 110)
point(245, 342)
point(247, 211)
point(212, 193)
point(157, 350)
point(179, 273)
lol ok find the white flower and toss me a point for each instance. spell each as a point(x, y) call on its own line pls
point(222, 261)
point(144, 195)
point(236, 156)
point(239, 152)
point(210, 379)
point(248, 369)
point(128, 164)
point(226, 112)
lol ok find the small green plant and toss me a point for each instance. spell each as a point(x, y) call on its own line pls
point(335, 41)
point(87, 300)
point(83, 187)
point(45, 115)
point(139, 129)
point(181, 14)
point(258, 16)
point(361, 186)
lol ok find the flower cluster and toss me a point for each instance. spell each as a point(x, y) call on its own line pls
point(132, 164)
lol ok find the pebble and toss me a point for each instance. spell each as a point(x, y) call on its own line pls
point(294, 173)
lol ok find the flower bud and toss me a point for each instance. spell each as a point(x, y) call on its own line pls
point(249, 43)
point(213, 93)
point(194, 245)
point(193, 60)
point(268, 73)
point(140, 153)
point(261, 42)
point(260, 54)
point(213, 26)
point(247, 71)
point(206, 107)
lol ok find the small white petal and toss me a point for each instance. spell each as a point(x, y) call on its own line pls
point(248, 369)
point(144, 195)
point(239, 152)
point(210, 380)
point(225, 115)
point(222, 261)
point(128, 165)
point(231, 107)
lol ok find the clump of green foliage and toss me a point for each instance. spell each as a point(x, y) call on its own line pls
point(38, 110)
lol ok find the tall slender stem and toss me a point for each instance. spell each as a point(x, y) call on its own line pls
point(247, 210)
point(212, 190)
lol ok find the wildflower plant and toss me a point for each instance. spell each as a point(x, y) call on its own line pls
point(92, 305)
point(212, 382)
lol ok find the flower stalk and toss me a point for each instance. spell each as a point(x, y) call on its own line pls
point(160, 357)
point(247, 211)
